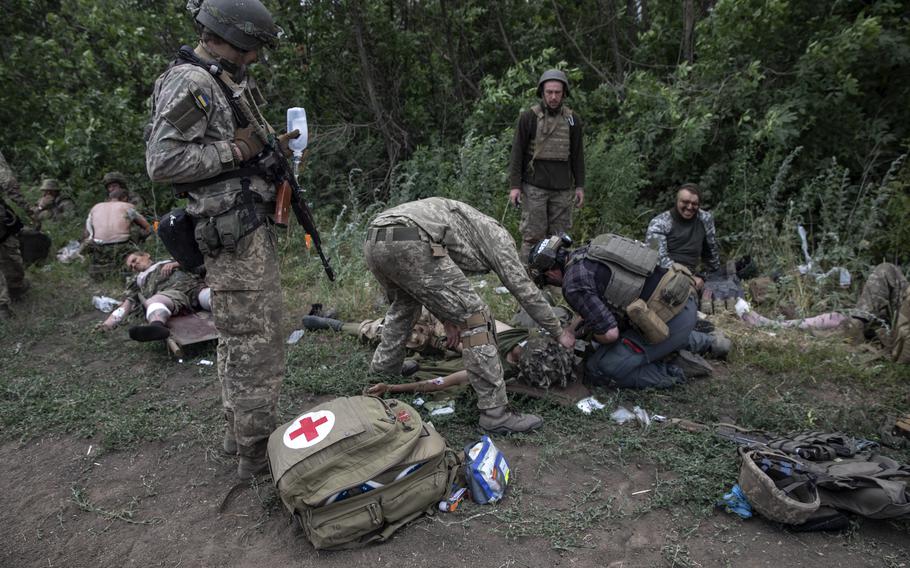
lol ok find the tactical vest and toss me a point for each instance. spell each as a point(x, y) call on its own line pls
point(630, 262)
point(551, 142)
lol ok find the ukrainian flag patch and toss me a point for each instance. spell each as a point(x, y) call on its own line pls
point(202, 101)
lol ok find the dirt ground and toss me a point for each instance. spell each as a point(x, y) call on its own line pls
point(157, 504)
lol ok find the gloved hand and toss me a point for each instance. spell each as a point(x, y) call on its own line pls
point(247, 142)
point(285, 139)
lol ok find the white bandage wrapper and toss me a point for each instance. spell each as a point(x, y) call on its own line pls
point(205, 299)
point(117, 315)
point(154, 307)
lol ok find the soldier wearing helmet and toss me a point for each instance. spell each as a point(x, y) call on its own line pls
point(113, 181)
point(52, 204)
point(547, 162)
point(206, 141)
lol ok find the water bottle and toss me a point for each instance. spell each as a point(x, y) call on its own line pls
point(297, 121)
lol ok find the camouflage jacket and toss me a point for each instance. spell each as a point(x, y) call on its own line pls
point(190, 139)
point(660, 228)
point(477, 244)
point(152, 281)
point(9, 187)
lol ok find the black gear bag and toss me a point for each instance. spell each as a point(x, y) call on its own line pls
point(177, 231)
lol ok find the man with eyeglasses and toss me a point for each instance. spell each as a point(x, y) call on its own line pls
point(686, 234)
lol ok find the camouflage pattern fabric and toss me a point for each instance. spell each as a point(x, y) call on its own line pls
point(190, 138)
point(661, 225)
point(247, 305)
point(179, 286)
point(107, 260)
point(544, 363)
point(428, 337)
point(12, 274)
point(9, 187)
point(189, 141)
point(882, 294)
point(544, 212)
point(900, 347)
point(413, 276)
point(50, 208)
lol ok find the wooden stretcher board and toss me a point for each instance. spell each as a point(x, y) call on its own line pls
point(190, 329)
point(568, 396)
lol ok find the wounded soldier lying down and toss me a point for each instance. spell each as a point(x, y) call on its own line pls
point(162, 289)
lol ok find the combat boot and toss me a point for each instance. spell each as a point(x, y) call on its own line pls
point(692, 365)
point(720, 345)
point(317, 322)
point(253, 460)
point(503, 420)
point(154, 331)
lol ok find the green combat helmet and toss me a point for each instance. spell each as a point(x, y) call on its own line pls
point(544, 363)
point(767, 479)
point(114, 177)
point(553, 75)
point(245, 24)
point(49, 184)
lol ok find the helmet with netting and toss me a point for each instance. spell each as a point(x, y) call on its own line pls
point(544, 363)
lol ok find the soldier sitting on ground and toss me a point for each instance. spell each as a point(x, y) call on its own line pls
point(882, 311)
point(163, 289)
point(109, 235)
point(52, 204)
point(115, 180)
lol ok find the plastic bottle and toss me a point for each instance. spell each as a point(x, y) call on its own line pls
point(297, 121)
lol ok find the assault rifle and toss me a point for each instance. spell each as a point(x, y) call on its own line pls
point(289, 193)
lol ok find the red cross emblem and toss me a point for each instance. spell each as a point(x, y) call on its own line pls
point(309, 429)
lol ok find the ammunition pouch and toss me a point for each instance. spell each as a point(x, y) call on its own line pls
point(225, 231)
point(652, 328)
point(670, 296)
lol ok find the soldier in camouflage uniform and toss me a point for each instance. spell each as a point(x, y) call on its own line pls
point(51, 204)
point(420, 252)
point(196, 142)
point(116, 180)
point(686, 234)
point(12, 272)
point(158, 291)
point(877, 313)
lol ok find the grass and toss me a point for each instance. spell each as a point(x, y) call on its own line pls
point(60, 378)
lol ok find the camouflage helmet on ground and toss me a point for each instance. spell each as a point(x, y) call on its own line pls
point(553, 75)
point(49, 184)
point(544, 363)
point(770, 482)
point(114, 177)
point(245, 24)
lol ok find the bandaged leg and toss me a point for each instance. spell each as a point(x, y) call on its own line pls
point(205, 299)
point(158, 308)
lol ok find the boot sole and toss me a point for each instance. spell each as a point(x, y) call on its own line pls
point(149, 333)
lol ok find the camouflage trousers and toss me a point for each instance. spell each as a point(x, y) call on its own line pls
point(247, 306)
point(544, 212)
point(108, 260)
point(12, 273)
point(882, 294)
point(412, 277)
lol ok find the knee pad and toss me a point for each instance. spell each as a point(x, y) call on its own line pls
point(471, 337)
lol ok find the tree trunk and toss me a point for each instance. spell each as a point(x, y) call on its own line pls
point(687, 48)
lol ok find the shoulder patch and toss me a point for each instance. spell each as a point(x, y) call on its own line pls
point(187, 109)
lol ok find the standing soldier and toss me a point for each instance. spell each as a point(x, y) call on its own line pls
point(420, 252)
point(12, 273)
point(548, 161)
point(204, 139)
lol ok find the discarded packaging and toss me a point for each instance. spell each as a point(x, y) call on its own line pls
point(622, 415)
point(205, 363)
point(736, 502)
point(501, 290)
point(70, 252)
point(440, 407)
point(589, 405)
point(104, 303)
point(418, 401)
point(295, 336)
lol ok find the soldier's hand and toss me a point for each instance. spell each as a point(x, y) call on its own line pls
point(699, 283)
point(247, 142)
point(567, 338)
point(284, 141)
point(453, 334)
point(378, 389)
point(579, 197)
point(169, 268)
point(515, 196)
